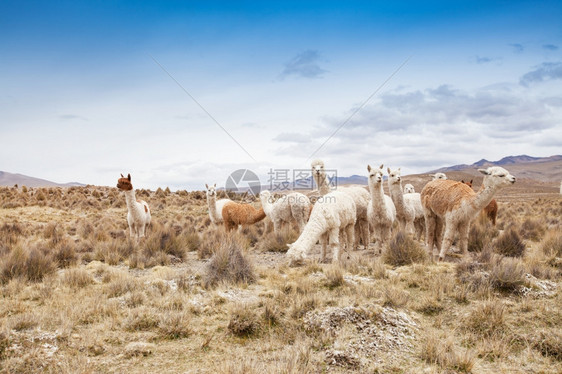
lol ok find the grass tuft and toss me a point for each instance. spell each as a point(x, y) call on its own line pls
point(403, 250)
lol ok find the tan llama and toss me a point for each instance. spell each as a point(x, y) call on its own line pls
point(138, 216)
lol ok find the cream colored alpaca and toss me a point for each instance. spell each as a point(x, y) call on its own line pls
point(291, 207)
point(215, 207)
point(320, 177)
point(138, 216)
point(451, 206)
point(409, 211)
point(408, 188)
point(381, 211)
point(332, 217)
point(359, 195)
point(438, 176)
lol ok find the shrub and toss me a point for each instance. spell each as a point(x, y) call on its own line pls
point(77, 278)
point(441, 352)
point(277, 242)
point(243, 321)
point(64, 254)
point(548, 343)
point(480, 235)
point(532, 229)
point(509, 243)
point(163, 240)
point(507, 274)
point(551, 246)
point(229, 264)
point(334, 277)
point(403, 250)
point(174, 325)
point(28, 264)
point(486, 319)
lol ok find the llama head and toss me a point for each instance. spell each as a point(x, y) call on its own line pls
point(211, 190)
point(409, 188)
point(469, 184)
point(265, 197)
point(124, 184)
point(393, 176)
point(438, 176)
point(317, 167)
point(375, 175)
point(295, 256)
point(496, 177)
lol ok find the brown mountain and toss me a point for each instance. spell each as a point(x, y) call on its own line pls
point(10, 179)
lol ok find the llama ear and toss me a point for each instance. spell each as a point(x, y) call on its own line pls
point(122, 175)
point(129, 177)
point(471, 181)
point(215, 185)
point(368, 168)
point(206, 186)
point(484, 171)
point(382, 165)
point(388, 169)
point(462, 180)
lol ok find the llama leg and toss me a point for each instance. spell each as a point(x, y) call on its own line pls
point(334, 237)
point(349, 229)
point(365, 234)
point(430, 224)
point(324, 242)
point(463, 236)
point(448, 238)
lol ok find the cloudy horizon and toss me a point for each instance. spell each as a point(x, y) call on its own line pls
point(182, 94)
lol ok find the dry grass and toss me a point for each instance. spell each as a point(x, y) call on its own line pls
point(509, 243)
point(79, 296)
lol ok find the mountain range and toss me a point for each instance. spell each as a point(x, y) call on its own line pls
point(543, 169)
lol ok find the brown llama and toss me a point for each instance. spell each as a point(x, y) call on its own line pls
point(236, 214)
point(491, 210)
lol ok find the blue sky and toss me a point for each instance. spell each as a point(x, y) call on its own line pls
point(83, 97)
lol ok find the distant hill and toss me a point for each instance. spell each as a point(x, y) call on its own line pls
point(544, 169)
point(10, 179)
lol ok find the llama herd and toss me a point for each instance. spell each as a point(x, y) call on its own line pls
point(349, 217)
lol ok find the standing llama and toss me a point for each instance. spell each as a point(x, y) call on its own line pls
point(215, 207)
point(409, 210)
point(491, 210)
point(291, 207)
point(450, 206)
point(235, 215)
point(381, 210)
point(359, 195)
point(138, 216)
point(332, 218)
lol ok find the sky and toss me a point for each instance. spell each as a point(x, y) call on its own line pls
point(183, 93)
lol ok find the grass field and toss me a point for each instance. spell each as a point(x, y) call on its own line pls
point(78, 296)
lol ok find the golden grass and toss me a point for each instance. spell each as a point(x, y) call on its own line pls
point(78, 296)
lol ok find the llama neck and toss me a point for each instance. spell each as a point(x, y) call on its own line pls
point(397, 196)
point(256, 215)
point(131, 200)
point(267, 205)
point(481, 199)
point(212, 202)
point(377, 194)
point(311, 233)
point(323, 183)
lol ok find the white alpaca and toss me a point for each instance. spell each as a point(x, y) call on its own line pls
point(320, 177)
point(451, 206)
point(381, 211)
point(359, 195)
point(408, 188)
point(215, 207)
point(138, 216)
point(332, 216)
point(438, 176)
point(291, 207)
point(409, 211)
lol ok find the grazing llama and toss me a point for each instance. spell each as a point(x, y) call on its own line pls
point(333, 217)
point(359, 195)
point(381, 211)
point(438, 176)
point(291, 207)
point(215, 207)
point(450, 206)
point(409, 210)
point(138, 216)
point(235, 215)
point(491, 210)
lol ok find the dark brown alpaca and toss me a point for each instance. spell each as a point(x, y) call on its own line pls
point(235, 214)
point(491, 210)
